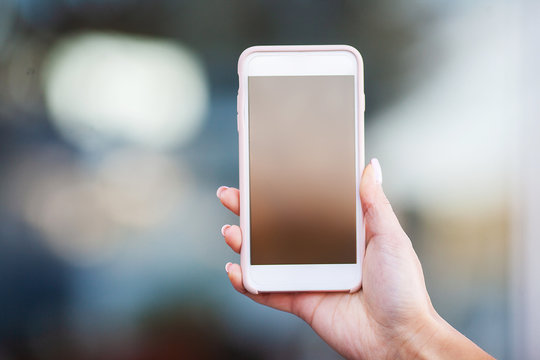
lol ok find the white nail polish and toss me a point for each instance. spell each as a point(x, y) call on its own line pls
point(224, 228)
point(220, 190)
point(227, 266)
point(377, 171)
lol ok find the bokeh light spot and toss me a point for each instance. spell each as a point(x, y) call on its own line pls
point(103, 89)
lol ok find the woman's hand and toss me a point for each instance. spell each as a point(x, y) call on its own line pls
point(392, 315)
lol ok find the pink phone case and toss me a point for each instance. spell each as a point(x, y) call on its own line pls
point(245, 252)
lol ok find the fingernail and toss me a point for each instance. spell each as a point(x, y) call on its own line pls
point(220, 190)
point(377, 170)
point(227, 266)
point(224, 229)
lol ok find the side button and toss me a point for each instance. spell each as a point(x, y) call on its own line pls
point(364, 102)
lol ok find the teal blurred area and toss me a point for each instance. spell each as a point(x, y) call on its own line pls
point(118, 123)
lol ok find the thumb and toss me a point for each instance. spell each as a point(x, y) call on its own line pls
point(379, 217)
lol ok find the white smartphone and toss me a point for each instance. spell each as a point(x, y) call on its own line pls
point(301, 142)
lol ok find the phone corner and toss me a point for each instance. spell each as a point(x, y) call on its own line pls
point(355, 52)
point(248, 282)
point(245, 54)
point(356, 287)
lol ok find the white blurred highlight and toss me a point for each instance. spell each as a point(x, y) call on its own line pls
point(103, 88)
point(86, 212)
point(446, 146)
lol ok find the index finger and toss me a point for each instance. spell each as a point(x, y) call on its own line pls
point(230, 198)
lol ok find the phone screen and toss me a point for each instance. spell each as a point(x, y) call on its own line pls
point(302, 169)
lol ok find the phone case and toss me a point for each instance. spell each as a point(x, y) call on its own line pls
point(245, 252)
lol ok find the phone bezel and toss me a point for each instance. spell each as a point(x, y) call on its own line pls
point(292, 61)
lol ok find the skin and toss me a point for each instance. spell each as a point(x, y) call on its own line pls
point(391, 317)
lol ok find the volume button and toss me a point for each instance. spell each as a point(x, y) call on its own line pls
point(237, 113)
point(364, 102)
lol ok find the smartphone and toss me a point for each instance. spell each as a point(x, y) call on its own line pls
point(301, 155)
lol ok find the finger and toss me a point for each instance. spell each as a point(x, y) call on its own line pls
point(235, 277)
point(230, 197)
point(378, 214)
point(233, 237)
point(279, 301)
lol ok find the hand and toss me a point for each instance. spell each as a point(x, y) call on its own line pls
point(392, 315)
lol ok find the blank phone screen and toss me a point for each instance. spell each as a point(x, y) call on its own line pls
point(302, 169)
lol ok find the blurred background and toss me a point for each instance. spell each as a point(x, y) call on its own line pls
point(118, 123)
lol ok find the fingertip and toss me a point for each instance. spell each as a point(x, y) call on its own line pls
point(372, 174)
point(233, 238)
point(367, 184)
point(235, 277)
point(377, 170)
point(230, 198)
point(378, 213)
point(224, 229)
point(220, 191)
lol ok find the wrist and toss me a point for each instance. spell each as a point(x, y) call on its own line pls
point(428, 334)
point(434, 338)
